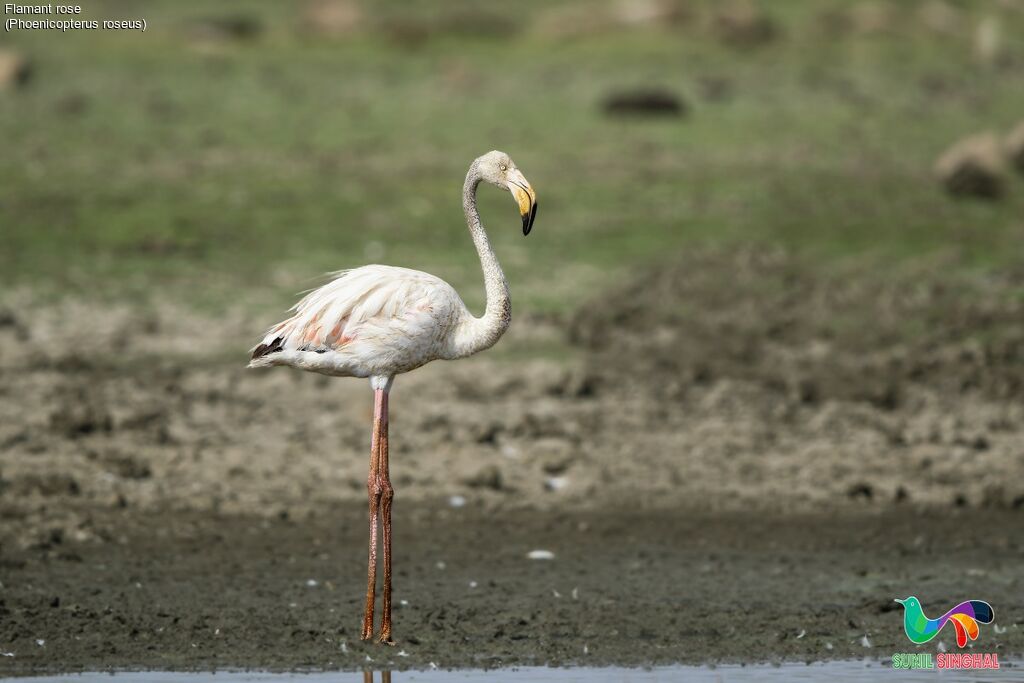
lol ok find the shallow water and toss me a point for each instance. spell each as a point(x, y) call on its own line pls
point(833, 672)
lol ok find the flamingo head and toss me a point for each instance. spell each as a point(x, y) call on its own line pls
point(498, 169)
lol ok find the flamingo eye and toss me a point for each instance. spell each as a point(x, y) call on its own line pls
point(504, 167)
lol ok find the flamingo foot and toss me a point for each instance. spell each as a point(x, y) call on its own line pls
point(367, 631)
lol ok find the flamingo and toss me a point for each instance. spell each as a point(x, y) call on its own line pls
point(380, 321)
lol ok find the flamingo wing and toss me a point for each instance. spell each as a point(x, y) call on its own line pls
point(374, 311)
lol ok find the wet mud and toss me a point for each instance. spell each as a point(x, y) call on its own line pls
point(193, 591)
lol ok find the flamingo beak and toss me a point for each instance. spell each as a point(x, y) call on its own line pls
point(525, 197)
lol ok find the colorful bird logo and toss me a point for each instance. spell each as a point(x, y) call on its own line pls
point(965, 617)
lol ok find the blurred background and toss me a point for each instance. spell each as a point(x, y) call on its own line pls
point(240, 147)
point(777, 263)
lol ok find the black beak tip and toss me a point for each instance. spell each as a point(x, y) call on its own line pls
point(528, 220)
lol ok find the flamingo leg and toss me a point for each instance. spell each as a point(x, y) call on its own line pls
point(387, 494)
point(373, 489)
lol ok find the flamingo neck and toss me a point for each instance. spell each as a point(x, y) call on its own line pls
point(477, 334)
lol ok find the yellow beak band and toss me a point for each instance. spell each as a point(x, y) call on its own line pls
point(526, 198)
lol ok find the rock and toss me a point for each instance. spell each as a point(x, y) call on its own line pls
point(648, 102)
point(1014, 146)
point(15, 70)
point(973, 167)
point(332, 17)
point(745, 24)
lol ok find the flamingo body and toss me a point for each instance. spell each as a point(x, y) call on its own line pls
point(370, 321)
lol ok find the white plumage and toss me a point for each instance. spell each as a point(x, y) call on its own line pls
point(373, 320)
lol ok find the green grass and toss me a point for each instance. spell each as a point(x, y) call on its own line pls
point(216, 170)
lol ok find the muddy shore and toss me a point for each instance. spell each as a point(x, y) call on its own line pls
point(733, 450)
